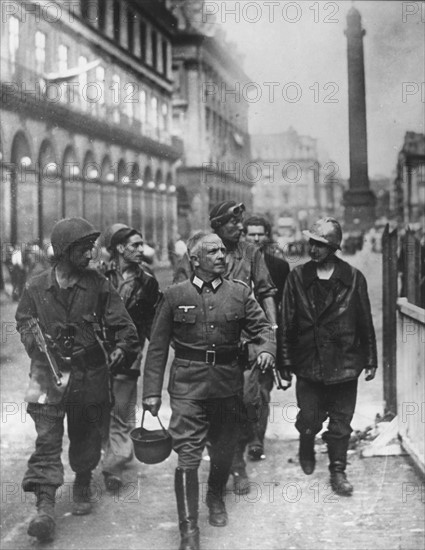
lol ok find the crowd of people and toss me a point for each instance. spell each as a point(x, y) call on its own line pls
point(239, 321)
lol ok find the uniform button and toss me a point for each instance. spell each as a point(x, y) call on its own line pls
point(236, 315)
point(183, 318)
point(213, 345)
point(212, 326)
point(208, 290)
point(210, 307)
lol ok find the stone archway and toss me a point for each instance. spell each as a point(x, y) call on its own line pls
point(72, 187)
point(108, 194)
point(123, 193)
point(183, 213)
point(49, 190)
point(23, 192)
point(136, 196)
point(149, 185)
point(92, 190)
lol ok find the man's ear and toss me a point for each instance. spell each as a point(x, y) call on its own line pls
point(194, 260)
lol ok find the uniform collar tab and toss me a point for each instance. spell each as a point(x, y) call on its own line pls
point(199, 283)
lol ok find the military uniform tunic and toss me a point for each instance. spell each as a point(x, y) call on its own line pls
point(85, 399)
point(200, 317)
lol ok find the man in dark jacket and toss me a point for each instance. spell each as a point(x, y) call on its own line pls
point(139, 291)
point(204, 316)
point(327, 339)
point(75, 307)
point(258, 231)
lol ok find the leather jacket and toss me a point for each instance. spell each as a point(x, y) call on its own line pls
point(333, 344)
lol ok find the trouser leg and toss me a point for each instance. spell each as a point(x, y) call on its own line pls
point(341, 402)
point(223, 435)
point(45, 465)
point(85, 424)
point(256, 444)
point(310, 418)
point(119, 447)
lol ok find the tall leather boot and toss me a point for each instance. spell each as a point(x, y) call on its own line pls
point(81, 494)
point(187, 495)
point(337, 451)
point(217, 480)
point(43, 525)
point(306, 453)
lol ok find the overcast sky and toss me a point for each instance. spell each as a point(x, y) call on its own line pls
point(312, 53)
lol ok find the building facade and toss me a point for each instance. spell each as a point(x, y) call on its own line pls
point(408, 193)
point(210, 115)
point(86, 117)
point(291, 180)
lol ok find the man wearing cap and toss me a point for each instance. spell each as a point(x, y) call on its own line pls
point(83, 321)
point(258, 230)
point(204, 316)
point(245, 262)
point(139, 291)
point(327, 339)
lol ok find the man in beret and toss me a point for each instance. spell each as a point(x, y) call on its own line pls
point(139, 291)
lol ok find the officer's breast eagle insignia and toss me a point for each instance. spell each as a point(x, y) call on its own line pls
point(186, 308)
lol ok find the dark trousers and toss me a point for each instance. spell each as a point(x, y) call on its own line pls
point(254, 423)
point(318, 401)
point(194, 422)
point(85, 429)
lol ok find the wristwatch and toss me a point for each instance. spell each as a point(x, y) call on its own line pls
point(275, 327)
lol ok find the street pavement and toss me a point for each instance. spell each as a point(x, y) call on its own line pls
point(284, 510)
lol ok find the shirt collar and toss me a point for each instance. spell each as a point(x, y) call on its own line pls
point(51, 281)
point(199, 283)
point(342, 272)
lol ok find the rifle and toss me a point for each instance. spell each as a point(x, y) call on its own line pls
point(40, 339)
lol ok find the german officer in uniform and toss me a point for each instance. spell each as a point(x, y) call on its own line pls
point(71, 303)
point(204, 316)
point(245, 262)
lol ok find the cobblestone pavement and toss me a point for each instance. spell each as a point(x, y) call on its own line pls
point(284, 510)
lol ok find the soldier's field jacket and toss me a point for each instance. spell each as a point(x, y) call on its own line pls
point(197, 316)
point(333, 344)
point(92, 299)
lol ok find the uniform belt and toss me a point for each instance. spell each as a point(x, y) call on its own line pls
point(211, 357)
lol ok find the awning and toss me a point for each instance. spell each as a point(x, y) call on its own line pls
point(71, 73)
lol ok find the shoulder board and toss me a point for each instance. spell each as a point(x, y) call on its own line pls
point(241, 283)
